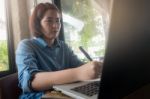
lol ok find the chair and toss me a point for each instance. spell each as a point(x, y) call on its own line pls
point(9, 87)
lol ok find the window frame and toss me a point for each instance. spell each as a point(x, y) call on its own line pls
point(10, 43)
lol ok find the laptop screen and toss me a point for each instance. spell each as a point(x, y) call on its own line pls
point(126, 64)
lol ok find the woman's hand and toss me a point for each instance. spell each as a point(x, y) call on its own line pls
point(89, 71)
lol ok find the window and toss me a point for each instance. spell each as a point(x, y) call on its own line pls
point(7, 62)
point(3, 39)
point(85, 24)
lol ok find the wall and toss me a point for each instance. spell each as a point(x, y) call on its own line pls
point(19, 19)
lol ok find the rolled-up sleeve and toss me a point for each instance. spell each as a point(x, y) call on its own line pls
point(27, 65)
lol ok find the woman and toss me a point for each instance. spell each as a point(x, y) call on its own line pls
point(46, 61)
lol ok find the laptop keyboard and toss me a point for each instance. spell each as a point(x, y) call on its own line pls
point(89, 89)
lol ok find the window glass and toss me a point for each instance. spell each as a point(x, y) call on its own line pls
point(3, 39)
point(85, 24)
point(42, 1)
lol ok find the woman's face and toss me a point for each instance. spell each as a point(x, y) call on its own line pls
point(50, 24)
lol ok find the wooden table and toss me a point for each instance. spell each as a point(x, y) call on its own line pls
point(53, 94)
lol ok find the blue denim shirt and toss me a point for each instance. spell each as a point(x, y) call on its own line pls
point(34, 55)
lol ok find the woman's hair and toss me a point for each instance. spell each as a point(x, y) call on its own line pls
point(37, 15)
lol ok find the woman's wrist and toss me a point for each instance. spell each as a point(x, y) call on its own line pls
point(76, 73)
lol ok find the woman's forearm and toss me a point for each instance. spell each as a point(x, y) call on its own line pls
point(45, 80)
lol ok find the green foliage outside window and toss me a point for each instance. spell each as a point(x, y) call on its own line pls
point(86, 13)
point(92, 35)
point(3, 55)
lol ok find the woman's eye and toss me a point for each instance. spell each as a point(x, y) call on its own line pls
point(49, 21)
point(52, 21)
point(57, 21)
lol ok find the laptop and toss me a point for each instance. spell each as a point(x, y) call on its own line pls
point(126, 66)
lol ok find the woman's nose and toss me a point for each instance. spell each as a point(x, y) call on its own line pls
point(54, 24)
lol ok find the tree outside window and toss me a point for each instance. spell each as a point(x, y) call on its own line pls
point(3, 39)
point(85, 24)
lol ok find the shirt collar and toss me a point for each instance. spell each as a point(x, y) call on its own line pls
point(44, 44)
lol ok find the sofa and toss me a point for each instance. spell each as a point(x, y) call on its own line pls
point(9, 87)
